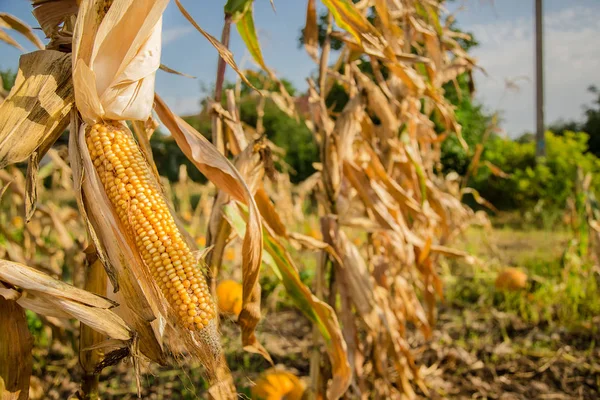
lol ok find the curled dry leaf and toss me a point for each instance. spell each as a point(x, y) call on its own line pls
point(495, 170)
point(311, 31)
point(478, 198)
point(52, 13)
point(3, 190)
point(31, 185)
point(5, 37)
point(268, 212)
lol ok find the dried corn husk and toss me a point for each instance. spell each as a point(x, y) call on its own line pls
point(36, 110)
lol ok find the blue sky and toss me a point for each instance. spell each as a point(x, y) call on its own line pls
point(504, 29)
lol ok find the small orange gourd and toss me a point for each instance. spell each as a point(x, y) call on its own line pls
point(277, 385)
point(229, 296)
point(229, 254)
point(511, 279)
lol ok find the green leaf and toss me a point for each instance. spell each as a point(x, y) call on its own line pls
point(236, 8)
point(247, 31)
point(430, 14)
point(349, 18)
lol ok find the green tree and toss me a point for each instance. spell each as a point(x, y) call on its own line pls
point(474, 121)
point(284, 131)
point(8, 79)
point(589, 125)
point(293, 136)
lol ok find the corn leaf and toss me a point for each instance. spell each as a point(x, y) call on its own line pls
point(6, 38)
point(175, 72)
point(16, 361)
point(31, 185)
point(53, 294)
point(37, 108)
point(52, 13)
point(3, 189)
point(349, 18)
point(311, 31)
point(495, 170)
point(412, 156)
point(247, 31)
point(237, 8)
point(478, 198)
point(12, 22)
point(31, 279)
point(224, 52)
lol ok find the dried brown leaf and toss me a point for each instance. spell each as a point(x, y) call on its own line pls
point(495, 170)
point(37, 107)
point(31, 279)
point(31, 185)
point(16, 360)
point(269, 213)
point(224, 52)
point(6, 38)
point(52, 13)
point(311, 31)
point(12, 22)
point(175, 72)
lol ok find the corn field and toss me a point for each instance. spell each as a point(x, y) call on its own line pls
point(101, 246)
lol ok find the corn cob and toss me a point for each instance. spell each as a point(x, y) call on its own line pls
point(142, 210)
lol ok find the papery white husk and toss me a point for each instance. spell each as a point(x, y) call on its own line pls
point(115, 60)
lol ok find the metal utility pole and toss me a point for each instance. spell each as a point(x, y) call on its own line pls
point(540, 148)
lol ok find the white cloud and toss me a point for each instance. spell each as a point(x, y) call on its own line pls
point(571, 64)
point(171, 34)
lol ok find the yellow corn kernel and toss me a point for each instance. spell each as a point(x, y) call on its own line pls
point(141, 208)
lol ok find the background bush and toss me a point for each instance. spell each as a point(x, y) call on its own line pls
point(551, 181)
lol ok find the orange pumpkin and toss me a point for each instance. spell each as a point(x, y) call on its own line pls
point(17, 222)
point(315, 233)
point(229, 254)
point(229, 297)
point(277, 385)
point(511, 279)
